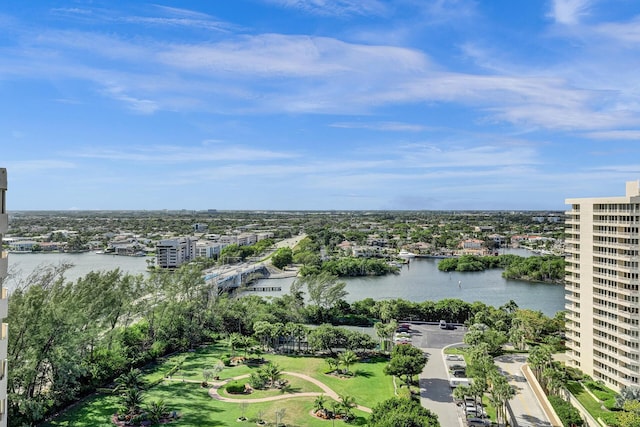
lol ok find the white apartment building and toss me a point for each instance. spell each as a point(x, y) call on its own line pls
point(4, 303)
point(208, 249)
point(171, 253)
point(601, 291)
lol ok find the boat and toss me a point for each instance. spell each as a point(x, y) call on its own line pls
point(406, 254)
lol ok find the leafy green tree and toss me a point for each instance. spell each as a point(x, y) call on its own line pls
point(327, 337)
point(400, 412)
point(407, 361)
point(282, 257)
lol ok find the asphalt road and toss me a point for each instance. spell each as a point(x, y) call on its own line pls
point(525, 405)
point(435, 392)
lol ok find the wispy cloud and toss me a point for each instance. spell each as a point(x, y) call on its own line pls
point(630, 135)
point(382, 126)
point(36, 166)
point(569, 12)
point(180, 154)
point(335, 7)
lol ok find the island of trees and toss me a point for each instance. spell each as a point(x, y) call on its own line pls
point(547, 268)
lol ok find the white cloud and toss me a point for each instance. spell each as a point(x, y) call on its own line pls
point(383, 126)
point(630, 135)
point(569, 12)
point(181, 154)
point(35, 165)
point(335, 7)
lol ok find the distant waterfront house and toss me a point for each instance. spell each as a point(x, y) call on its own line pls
point(471, 247)
point(498, 238)
point(172, 253)
point(23, 245)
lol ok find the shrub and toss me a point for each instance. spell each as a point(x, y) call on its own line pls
point(567, 413)
point(235, 387)
point(257, 380)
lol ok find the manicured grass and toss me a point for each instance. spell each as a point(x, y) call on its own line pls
point(197, 408)
point(369, 386)
point(590, 404)
point(295, 385)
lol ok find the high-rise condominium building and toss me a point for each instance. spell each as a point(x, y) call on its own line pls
point(172, 253)
point(4, 304)
point(601, 291)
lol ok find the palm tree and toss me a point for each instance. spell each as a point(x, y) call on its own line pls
point(348, 358)
point(501, 392)
point(347, 402)
point(539, 359)
point(245, 342)
point(156, 410)
point(273, 372)
point(318, 404)
point(129, 380)
point(233, 340)
point(461, 391)
point(332, 362)
point(131, 400)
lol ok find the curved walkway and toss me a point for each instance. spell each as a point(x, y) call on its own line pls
point(213, 391)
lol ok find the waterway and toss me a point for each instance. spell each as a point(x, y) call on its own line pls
point(418, 281)
point(421, 280)
point(22, 265)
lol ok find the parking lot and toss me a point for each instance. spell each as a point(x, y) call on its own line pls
point(435, 389)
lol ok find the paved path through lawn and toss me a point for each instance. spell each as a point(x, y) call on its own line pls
point(213, 392)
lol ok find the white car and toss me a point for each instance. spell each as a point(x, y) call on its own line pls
point(476, 412)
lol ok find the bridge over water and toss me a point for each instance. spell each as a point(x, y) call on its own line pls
point(231, 277)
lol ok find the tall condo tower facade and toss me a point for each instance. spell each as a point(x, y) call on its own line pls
point(4, 304)
point(601, 291)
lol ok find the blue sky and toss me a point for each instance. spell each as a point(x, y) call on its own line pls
point(318, 104)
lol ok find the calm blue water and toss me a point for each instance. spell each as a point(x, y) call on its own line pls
point(419, 281)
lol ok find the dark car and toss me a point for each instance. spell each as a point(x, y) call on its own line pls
point(459, 373)
point(402, 329)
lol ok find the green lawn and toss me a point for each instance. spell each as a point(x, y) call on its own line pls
point(295, 385)
point(590, 404)
point(369, 386)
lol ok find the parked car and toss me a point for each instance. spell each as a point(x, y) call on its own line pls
point(456, 357)
point(475, 412)
point(443, 324)
point(459, 373)
point(478, 422)
point(456, 366)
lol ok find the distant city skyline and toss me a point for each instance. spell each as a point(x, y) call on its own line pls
point(318, 104)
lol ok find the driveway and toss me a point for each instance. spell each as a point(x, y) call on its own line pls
point(525, 406)
point(435, 392)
